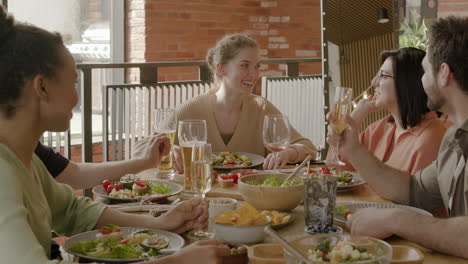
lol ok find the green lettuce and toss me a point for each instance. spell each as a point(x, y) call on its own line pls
point(161, 188)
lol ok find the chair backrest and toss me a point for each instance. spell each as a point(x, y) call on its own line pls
point(302, 100)
point(127, 112)
point(59, 141)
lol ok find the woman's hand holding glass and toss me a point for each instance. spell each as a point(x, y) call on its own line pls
point(276, 137)
point(341, 108)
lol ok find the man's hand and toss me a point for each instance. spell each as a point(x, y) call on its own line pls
point(372, 222)
point(188, 215)
point(348, 140)
point(208, 251)
point(150, 150)
point(177, 162)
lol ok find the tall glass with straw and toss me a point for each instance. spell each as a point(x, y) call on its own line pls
point(201, 180)
point(342, 106)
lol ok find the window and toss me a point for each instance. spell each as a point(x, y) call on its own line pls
point(93, 31)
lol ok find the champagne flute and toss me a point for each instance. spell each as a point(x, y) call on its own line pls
point(190, 132)
point(165, 122)
point(201, 180)
point(342, 106)
point(276, 132)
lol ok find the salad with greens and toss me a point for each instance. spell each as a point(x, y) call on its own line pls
point(131, 186)
point(230, 160)
point(343, 251)
point(110, 243)
point(273, 181)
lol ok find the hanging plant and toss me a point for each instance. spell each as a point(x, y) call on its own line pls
point(413, 33)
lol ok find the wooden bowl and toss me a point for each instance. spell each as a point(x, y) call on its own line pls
point(266, 254)
point(270, 198)
point(406, 255)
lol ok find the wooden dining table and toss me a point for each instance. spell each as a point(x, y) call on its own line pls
point(361, 193)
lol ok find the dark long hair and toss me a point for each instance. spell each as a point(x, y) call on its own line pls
point(25, 52)
point(407, 71)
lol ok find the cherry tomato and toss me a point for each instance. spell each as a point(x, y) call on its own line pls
point(104, 231)
point(124, 242)
point(110, 188)
point(325, 170)
point(139, 183)
point(348, 214)
point(225, 177)
point(230, 160)
point(106, 183)
point(234, 177)
point(118, 187)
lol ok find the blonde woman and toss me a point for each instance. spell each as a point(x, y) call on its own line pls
point(234, 116)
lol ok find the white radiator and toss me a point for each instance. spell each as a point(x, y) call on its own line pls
point(129, 114)
point(302, 100)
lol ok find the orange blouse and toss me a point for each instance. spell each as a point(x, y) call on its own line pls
point(414, 150)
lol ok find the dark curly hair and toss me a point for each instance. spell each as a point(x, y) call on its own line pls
point(25, 52)
point(411, 97)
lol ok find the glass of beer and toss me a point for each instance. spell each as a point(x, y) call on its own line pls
point(201, 180)
point(165, 122)
point(190, 133)
point(342, 106)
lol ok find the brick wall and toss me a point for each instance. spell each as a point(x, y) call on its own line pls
point(452, 7)
point(180, 30)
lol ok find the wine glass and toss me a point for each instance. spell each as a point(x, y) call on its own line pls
point(165, 122)
point(190, 132)
point(342, 106)
point(276, 132)
point(201, 180)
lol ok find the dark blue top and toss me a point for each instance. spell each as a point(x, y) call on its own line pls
point(54, 161)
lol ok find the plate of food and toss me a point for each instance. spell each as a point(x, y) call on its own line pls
point(345, 209)
point(235, 160)
point(130, 188)
point(346, 180)
point(113, 244)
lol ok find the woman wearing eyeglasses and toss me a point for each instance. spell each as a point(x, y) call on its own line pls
point(410, 136)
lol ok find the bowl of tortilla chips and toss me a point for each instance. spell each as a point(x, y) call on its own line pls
point(242, 226)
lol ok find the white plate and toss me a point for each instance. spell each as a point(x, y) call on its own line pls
point(355, 205)
point(256, 161)
point(176, 242)
point(357, 181)
point(175, 189)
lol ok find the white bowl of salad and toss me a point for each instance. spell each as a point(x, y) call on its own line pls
point(329, 248)
point(269, 191)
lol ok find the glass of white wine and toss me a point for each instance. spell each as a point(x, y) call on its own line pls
point(342, 106)
point(201, 180)
point(165, 122)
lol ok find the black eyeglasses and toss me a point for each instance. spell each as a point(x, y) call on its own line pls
point(382, 75)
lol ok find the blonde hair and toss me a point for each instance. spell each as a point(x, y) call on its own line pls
point(226, 49)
